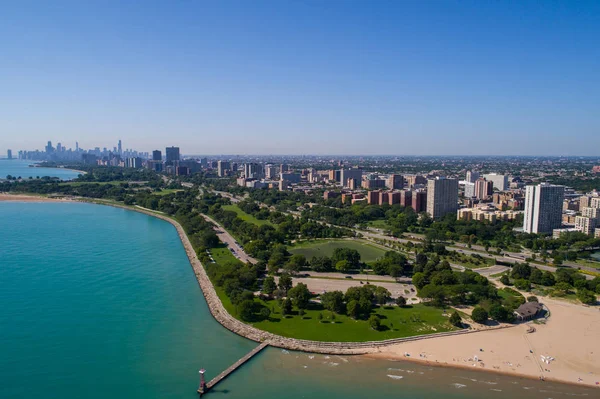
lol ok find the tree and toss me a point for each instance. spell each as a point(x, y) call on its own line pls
point(401, 301)
point(562, 288)
point(296, 263)
point(286, 307)
point(265, 313)
point(375, 323)
point(523, 284)
point(245, 310)
point(350, 255)
point(320, 316)
point(321, 264)
point(343, 266)
point(285, 282)
point(382, 295)
point(499, 313)
point(479, 315)
point(419, 280)
point(455, 319)
point(505, 280)
point(333, 301)
point(586, 296)
point(269, 286)
point(300, 295)
point(532, 299)
point(353, 309)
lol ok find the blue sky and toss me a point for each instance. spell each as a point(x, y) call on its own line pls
point(303, 77)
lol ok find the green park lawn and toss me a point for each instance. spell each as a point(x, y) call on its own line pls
point(396, 322)
point(245, 216)
point(87, 183)
point(167, 191)
point(379, 224)
point(368, 252)
point(589, 263)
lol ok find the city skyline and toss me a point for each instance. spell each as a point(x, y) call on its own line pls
point(453, 78)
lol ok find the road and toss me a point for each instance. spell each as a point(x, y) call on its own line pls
point(228, 240)
point(511, 257)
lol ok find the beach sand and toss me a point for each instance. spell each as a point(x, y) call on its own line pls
point(570, 336)
point(28, 198)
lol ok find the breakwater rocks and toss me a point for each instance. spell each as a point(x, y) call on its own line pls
point(222, 316)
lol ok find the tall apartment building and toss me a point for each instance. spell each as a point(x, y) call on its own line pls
point(413, 180)
point(346, 174)
point(590, 212)
point(442, 197)
point(394, 197)
point(469, 189)
point(172, 154)
point(472, 176)
point(585, 224)
point(483, 189)
point(419, 201)
point(543, 208)
point(156, 155)
point(253, 170)
point(9, 154)
point(223, 167)
point(271, 171)
point(373, 197)
point(395, 182)
point(499, 181)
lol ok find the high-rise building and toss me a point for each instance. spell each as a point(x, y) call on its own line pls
point(469, 189)
point(253, 170)
point(442, 197)
point(395, 182)
point(585, 224)
point(172, 154)
point(77, 146)
point(156, 155)
point(543, 208)
point(9, 154)
point(483, 188)
point(394, 197)
point(222, 168)
point(49, 148)
point(406, 198)
point(415, 180)
point(472, 177)
point(500, 181)
point(346, 174)
point(419, 201)
point(373, 197)
point(120, 148)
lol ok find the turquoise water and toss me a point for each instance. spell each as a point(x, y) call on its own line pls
point(16, 168)
point(596, 255)
point(100, 302)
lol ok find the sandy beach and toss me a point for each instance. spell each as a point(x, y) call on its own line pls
point(28, 198)
point(565, 349)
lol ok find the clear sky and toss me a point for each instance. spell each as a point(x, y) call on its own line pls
point(303, 77)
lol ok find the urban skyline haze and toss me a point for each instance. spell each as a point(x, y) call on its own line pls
point(271, 77)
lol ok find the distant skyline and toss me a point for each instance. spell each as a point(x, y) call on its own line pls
point(303, 77)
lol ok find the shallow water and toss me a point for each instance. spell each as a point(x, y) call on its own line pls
point(100, 302)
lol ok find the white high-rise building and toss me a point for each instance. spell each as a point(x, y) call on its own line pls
point(469, 189)
point(543, 208)
point(585, 225)
point(442, 197)
point(500, 181)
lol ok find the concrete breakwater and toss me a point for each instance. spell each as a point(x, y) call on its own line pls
point(219, 312)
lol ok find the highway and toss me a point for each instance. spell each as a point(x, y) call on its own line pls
point(228, 240)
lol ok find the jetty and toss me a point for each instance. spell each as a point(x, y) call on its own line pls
point(204, 388)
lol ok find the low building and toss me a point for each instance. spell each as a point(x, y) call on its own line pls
point(597, 233)
point(529, 311)
point(489, 213)
point(556, 233)
point(330, 194)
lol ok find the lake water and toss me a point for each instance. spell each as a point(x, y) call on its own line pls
point(596, 255)
point(100, 302)
point(17, 167)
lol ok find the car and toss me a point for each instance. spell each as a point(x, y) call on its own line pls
point(348, 277)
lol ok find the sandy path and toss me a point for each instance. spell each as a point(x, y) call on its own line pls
point(27, 198)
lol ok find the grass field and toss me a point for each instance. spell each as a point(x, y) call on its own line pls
point(222, 255)
point(396, 322)
point(245, 216)
point(368, 252)
point(588, 263)
point(167, 191)
point(379, 224)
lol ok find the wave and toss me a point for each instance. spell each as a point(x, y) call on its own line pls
point(395, 377)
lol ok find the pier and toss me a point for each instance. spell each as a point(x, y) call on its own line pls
point(204, 388)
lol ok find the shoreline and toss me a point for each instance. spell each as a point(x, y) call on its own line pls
point(384, 350)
